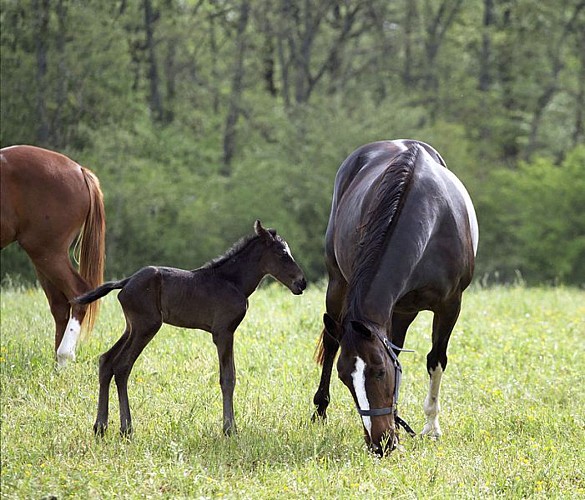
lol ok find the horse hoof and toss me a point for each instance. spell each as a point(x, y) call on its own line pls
point(99, 429)
point(319, 416)
point(126, 432)
point(64, 358)
point(229, 430)
point(431, 432)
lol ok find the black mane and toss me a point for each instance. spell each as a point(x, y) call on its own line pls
point(378, 228)
point(235, 249)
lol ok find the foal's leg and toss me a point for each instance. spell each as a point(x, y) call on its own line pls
point(106, 373)
point(444, 320)
point(224, 341)
point(143, 329)
point(334, 299)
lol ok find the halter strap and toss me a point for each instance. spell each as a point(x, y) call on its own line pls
point(377, 412)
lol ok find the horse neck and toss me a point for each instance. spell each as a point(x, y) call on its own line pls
point(244, 269)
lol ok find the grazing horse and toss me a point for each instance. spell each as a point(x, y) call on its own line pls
point(213, 298)
point(47, 201)
point(401, 238)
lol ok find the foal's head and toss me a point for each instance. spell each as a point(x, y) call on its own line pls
point(278, 261)
point(366, 367)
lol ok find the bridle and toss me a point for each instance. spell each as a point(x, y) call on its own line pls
point(376, 412)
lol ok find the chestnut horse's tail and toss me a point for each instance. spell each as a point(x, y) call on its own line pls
point(92, 253)
point(320, 349)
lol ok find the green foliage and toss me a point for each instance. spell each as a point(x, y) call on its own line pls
point(317, 81)
point(510, 407)
point(536, 224)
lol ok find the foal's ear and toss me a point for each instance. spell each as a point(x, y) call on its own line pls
point(266, 234)
point(332, 327)
point(362, 329)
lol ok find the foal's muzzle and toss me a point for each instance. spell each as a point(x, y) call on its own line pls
point(299, 286)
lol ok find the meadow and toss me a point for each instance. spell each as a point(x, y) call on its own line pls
point(512, 407)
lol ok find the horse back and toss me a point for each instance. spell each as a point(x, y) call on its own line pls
point(429, 244)
point(34, 178)
point(430, 255)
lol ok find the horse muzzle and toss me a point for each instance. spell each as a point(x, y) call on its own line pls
point(385, 445)
point(298, 286)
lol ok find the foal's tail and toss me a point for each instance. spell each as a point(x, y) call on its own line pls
point(100, 291)
point(93, 244)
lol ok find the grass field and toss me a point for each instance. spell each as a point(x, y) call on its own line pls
point(513, 402)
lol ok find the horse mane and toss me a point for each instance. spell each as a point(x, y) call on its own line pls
point(236, 248)
point(380, 223)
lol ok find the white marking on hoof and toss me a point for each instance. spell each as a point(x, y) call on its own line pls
point(66, 350)
point(359, 386)
point(431, 405)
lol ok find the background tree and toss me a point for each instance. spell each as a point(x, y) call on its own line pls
point(201, 115)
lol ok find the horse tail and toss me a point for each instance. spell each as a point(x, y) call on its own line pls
point(93, 244)
point(320, 349)
point(100, 291)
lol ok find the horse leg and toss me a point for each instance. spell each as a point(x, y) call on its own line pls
point(142, 332)
point(106, 373)
point(57, 270)
point(330, 343)
point(224, 341)
point(400, 324)
point(444, 320)
point(59, 306)
point(322, 398)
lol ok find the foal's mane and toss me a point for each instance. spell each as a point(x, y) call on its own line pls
point(238, 247)
point(380, 223)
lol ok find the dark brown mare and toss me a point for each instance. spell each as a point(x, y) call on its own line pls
point(213, 298)
point(47, 199)
point(401, 238)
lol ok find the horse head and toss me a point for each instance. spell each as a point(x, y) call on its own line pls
point(370, 370)
point(278, 261)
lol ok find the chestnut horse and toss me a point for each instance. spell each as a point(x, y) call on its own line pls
point(47, 201)
point(402, 238)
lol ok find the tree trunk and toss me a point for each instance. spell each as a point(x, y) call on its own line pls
point(155, 101)
point(485, 76)
point(409, 18)
point(552, 85)
point(577, 137)
point(229, 138)
point(41, 34)
point(58, 133)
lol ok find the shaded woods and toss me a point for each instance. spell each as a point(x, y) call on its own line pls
point(201, 116)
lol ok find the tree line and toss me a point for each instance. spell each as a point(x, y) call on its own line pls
point(199, 116)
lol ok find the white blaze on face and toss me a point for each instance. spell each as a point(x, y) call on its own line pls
point(67, 348)
point(431, 404)
point(287, 248)
point(359, 386)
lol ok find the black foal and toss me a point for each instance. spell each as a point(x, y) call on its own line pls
point(213, 298)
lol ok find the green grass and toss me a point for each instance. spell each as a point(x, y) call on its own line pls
point(512, 408)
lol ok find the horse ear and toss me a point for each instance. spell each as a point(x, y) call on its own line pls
point(362, 329)
point(265, 234)
point(332, 327)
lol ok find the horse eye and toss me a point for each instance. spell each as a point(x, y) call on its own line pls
point(380, 374)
